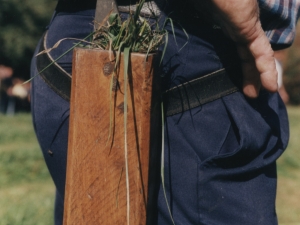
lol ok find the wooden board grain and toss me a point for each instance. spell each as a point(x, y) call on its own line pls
point(96, 190)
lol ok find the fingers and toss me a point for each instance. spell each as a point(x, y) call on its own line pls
point(258, 65)
point(263, 55)
point(251, 76)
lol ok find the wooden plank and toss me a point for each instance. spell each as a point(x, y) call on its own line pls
point(96, 190)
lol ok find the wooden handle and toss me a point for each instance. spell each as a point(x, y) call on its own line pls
point(96, 180)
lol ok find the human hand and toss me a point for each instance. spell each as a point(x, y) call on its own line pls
point(239, 19)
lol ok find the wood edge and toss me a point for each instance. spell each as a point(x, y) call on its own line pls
point(69, 174)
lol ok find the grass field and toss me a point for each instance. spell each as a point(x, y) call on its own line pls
point(26, 190)
point(288, 194)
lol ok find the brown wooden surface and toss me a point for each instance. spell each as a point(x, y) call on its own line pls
point(96, 178)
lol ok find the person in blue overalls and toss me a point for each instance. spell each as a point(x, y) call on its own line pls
point(220, 156)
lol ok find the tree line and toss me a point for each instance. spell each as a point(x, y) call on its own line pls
point(21, 25)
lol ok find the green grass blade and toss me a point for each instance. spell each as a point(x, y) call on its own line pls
point(117, 195)
point(54, 61)
point(138, 10)
point(165, 48)
point(149, 48)
point(126, 62)
point(172, 26)
point(187, 38)
point(162, 168)
point(111, 106)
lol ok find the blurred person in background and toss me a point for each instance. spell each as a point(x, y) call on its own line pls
point(220, 157)
point(14, 95)
point(5, 82)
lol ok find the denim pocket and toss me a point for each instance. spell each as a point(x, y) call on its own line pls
point(262, 132)
point(207, 130)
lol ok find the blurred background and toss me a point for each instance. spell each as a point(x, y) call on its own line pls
point(26, 189)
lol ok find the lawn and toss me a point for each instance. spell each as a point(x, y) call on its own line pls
point(26, 189)
point(288, 194)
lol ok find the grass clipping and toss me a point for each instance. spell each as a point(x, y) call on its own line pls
point(136, 33)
